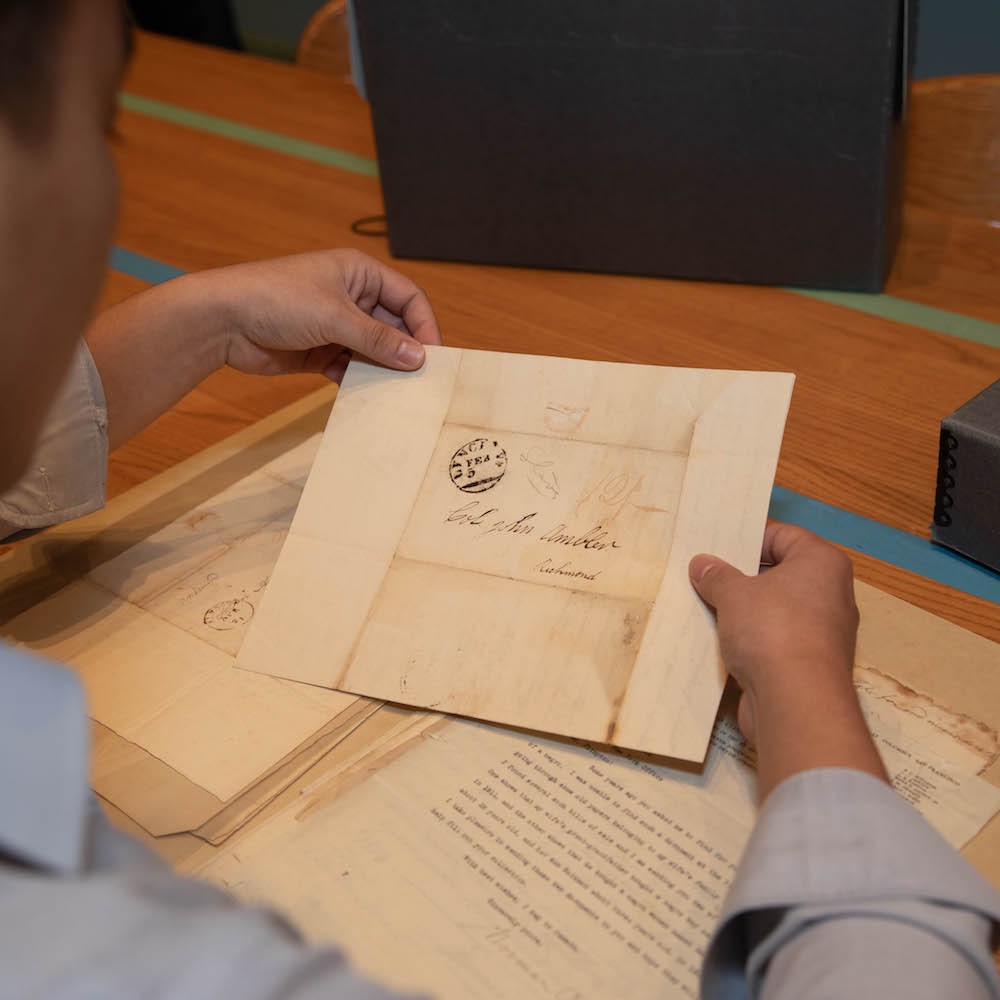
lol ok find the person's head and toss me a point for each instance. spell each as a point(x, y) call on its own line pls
point(60, 64)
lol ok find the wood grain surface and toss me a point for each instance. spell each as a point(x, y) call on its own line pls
point(870, 392)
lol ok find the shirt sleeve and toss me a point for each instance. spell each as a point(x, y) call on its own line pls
point(845, 890)
point(125, 926)
point(68, 471)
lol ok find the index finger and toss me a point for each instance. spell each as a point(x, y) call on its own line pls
point(781, 541)
point(407, 300)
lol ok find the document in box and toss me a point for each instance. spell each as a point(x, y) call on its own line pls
point(507, 537)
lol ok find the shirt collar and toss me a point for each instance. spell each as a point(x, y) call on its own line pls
point(44, 744)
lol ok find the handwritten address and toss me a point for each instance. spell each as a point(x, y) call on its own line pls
point(492, 521)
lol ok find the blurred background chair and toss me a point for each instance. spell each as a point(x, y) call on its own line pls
point(325, 43)
point(953, 154)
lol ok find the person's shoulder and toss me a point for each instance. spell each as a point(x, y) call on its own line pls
point(24, 672)
point(44, 762)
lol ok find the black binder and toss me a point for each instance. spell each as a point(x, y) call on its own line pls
point(967, 503)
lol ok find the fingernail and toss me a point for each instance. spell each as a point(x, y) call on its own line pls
point(410, 354)
point(699, 566)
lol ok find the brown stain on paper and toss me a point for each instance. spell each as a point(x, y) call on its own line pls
point(976, 736)
point(561, 418)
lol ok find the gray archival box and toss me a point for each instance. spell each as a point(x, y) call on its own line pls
point(753, 140)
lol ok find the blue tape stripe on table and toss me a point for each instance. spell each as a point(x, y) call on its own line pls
point(277, 142)
point(135, 265)
point(860, 534)
point(979, 331)
point(873, 538)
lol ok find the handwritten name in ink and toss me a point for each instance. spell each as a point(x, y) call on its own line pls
point(491, 521)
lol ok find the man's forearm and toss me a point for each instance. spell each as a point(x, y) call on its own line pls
point(154, 348)
point(812, 724)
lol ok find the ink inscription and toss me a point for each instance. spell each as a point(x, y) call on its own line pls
point(541, 472)
point(615, 492)
point(493, 521)
point(553, 568)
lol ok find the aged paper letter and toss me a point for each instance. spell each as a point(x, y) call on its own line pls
point(507, 537)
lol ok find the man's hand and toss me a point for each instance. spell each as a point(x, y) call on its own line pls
point(306, 313)
point(787, 637)
point(303, 313)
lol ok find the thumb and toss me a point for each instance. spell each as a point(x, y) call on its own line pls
point(713, 578)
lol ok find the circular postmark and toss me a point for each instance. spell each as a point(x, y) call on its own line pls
point(478, 465)
point(227, 615)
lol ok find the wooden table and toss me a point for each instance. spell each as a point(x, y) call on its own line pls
point(863, 428)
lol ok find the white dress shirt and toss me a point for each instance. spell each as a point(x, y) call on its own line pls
point(68, 470)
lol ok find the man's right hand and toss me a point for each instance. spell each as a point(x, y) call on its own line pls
point(788, 637)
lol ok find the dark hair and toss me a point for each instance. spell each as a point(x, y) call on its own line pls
point(29, 32)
